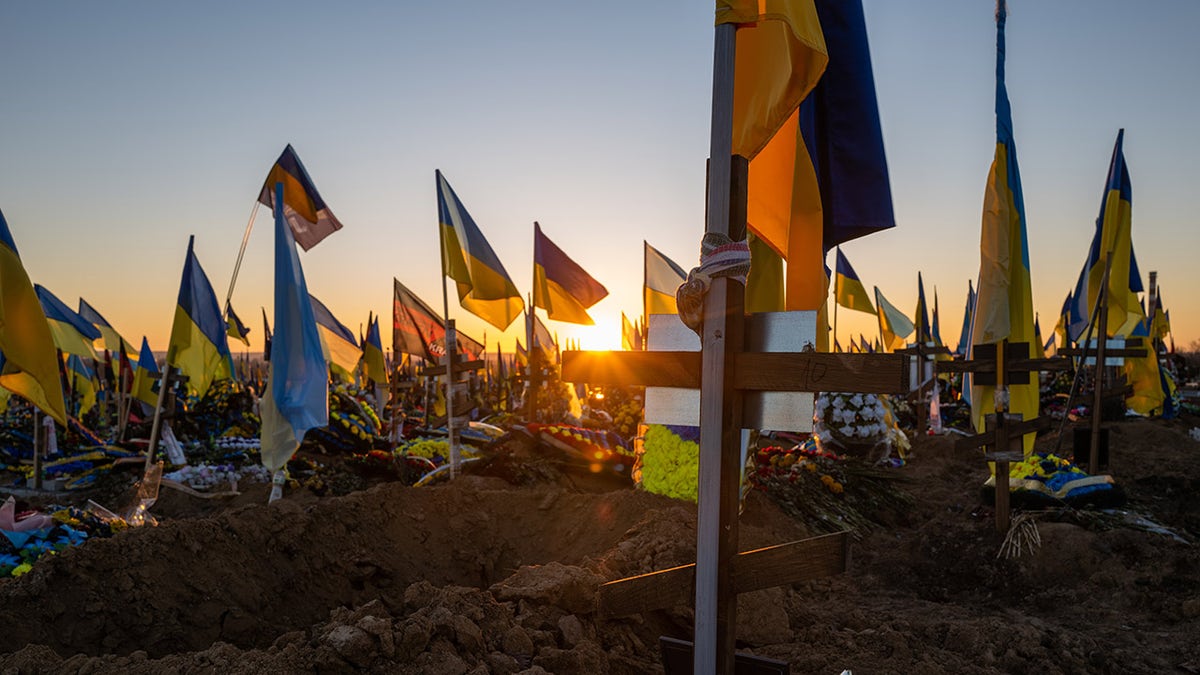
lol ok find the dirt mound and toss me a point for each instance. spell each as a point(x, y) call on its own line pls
point(486, 576)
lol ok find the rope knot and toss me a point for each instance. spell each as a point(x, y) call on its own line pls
point(720, 256)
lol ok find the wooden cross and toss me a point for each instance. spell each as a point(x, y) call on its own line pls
point(724, 371)
point(925, 359)
point(1104, 355)
point(1004, 432)
point(167, 379)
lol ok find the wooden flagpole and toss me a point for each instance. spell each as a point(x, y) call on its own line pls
point(241, 253)
point(451, 350)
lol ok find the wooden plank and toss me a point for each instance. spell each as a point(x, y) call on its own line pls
point(651, 369)
point(1038, 424)
point(459, 367)
point(790, 563)
point(811, 371)
point(1132, 352)
point(1014, 365)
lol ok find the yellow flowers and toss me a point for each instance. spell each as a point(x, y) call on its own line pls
point(831, 483)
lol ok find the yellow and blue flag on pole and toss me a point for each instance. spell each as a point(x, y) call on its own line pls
point(72, 333)
point(1114, 231)
point(306, 213)
point(113, 341)
point(484, 287)
point(661, 278)
point(29, 366)
point(921, 315)
point(1004, 304)
point(296, 398)
point(198, 346)
point(145, 375)
point(560, 285)
point(849, 291)
point(373, 353)
point(936, 325)
point(338, 344)
point(964, 336)
point(234, 327)
point(894, 326)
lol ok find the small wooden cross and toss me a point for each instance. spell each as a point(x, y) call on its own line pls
point(925, 365)
point(1004, 432)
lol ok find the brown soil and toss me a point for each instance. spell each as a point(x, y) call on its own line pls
point(498, 573)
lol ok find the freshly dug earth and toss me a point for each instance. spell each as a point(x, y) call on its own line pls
point(485, 575)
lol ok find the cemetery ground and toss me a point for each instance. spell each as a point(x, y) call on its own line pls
point(498, 573)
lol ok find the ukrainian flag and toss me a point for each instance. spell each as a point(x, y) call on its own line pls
point(234, 327)
point(145, 376)
point(1115, 221)
point(338, 345)
point(373, 353)
point(83, 383)
point(296, 398)
point(560, 285)
point(306, 213)
point(936, 326)
point(894, 326)
point(72, 333)
point(1004, 305)
point(484, 287)
point(198, 347)
point(113, 341)
point(964, 336)
point(849, 291)
point(662, 277)
point(28, 363)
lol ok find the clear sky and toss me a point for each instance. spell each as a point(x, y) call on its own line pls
point(125, 127)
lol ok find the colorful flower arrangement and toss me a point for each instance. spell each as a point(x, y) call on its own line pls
point(859, 423)
point(1054, 476)
point(72, 527)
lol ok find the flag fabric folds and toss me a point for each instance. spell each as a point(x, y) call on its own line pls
point(935, 330)
point(296, 396)
point(894, 326)
point(234, 327)
point(72, 333)
point(28, 363)
point(306, 213)
point(1115, 241)
point(338, 344)
point(1004, 304)
point(83, 384)
point(145, 376)
point(662, 277)
point(921, 315)
point(542, 338)
point(964, 336)
point(113, 341)
point(198, 346)
point(373, 353)
point(628, 335)
point(420, 331)
point(484, 287)
point(849, 291)
point(266, 336)
point(560, 285)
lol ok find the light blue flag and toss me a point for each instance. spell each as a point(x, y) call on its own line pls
point(297, 392)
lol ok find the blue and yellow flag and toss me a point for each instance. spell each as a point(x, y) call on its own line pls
point(1004, 305)
point(924, 334)
point(234, 327)
point(560, 285)
point(661, 278)
point(29, 366)
point(848, 289)
point(306, 213)
point(83, 384)
point(1114, 225)
point(373, 353)
point(296, 397)
point(964, 336)
point(936, 325)
point(113, 341)
point(72, 333)
point(484, 287)
point(894, 326)
point(145, 375)
point(338, 344)
point(198, 347)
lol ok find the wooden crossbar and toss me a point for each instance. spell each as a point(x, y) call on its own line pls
point(768, 567)
point(1038, 424)
point(459, 367)
point(753, 371)
point(1014, 365)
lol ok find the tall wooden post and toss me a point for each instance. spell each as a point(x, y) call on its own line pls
point(37, 450)
point(1001, 466)
point(451, 429)
point(168, 377)
point(720, 403)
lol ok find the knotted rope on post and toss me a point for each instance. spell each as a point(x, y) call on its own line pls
point(720, 256)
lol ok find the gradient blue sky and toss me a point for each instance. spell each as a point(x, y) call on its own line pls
point(125, 127)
